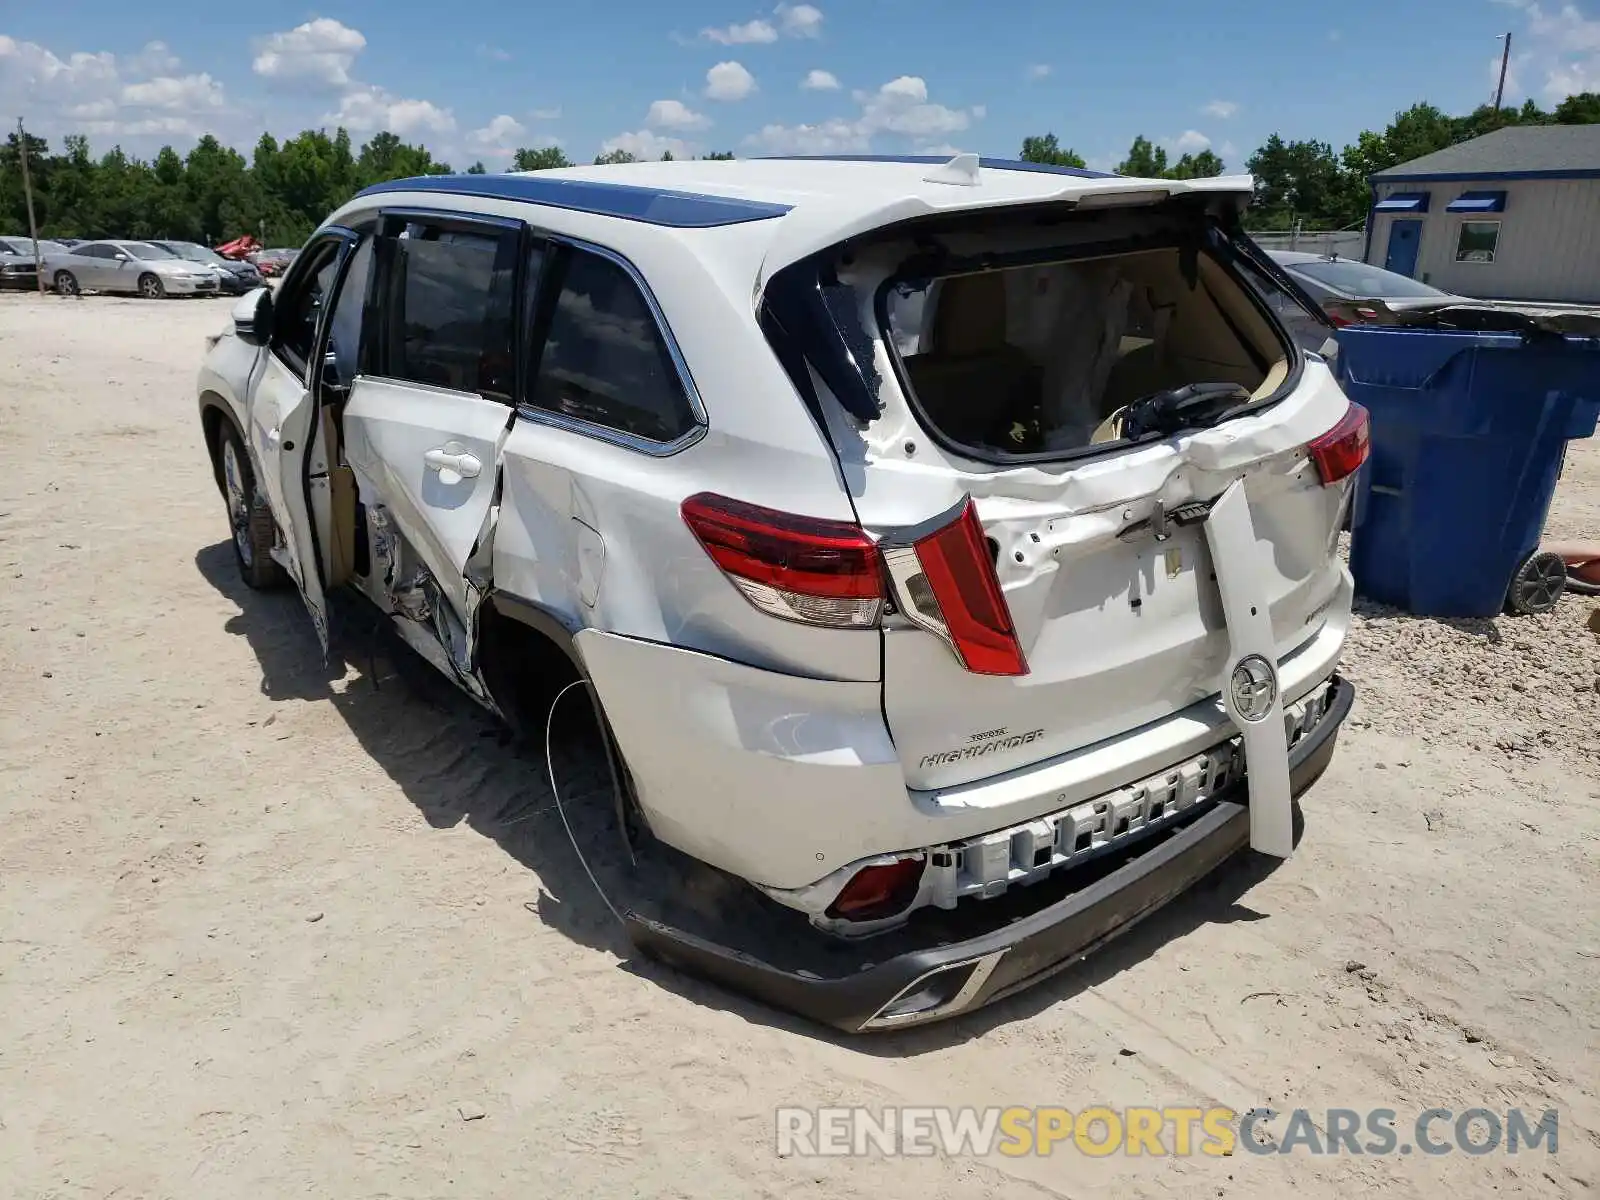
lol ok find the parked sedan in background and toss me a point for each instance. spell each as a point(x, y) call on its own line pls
point(18, 267)
point(275, 262)
point(135, 267)
point(236, 278)
point(1330, 280)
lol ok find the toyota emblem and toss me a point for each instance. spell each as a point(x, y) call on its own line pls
point(1254, 687)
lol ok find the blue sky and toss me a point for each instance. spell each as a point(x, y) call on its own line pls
point(473, 79)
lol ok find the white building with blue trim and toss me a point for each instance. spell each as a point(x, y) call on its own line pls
point(1511, 215)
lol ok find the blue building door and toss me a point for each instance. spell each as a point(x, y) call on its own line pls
point(1405, 239)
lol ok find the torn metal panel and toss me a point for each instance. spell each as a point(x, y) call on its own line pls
point(1250, 686)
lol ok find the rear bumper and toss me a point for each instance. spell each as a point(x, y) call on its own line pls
point(954, 977)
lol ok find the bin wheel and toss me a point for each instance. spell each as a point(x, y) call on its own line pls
point(1537, 585)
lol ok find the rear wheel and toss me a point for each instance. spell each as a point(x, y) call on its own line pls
point(66, 283)
point(1537, 585)
point(249, 518)
point(151, 287)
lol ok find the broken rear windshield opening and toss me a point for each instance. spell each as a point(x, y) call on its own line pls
point(1046, 357)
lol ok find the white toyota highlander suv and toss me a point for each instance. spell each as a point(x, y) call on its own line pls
point(949, 547)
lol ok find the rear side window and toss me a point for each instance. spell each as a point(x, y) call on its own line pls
point(448, 311)
point(605, 359)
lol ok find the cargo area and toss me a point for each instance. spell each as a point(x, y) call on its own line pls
point(1045, 357)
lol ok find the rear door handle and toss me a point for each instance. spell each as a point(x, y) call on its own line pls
point(453, 458)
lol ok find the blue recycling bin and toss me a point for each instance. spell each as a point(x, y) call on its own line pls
point(1469, 431)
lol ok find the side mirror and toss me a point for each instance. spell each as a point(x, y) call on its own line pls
point(121, 257)
point(252, 317)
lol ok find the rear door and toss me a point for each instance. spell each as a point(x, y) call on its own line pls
point(282, 408)
point(1104, 566)
point(428, 413)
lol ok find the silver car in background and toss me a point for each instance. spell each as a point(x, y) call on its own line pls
point(137, 268)
point(17, 263)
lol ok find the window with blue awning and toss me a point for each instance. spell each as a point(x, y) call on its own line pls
point(1478, 202)
point(1416, 202)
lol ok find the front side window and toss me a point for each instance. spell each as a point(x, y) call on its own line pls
point(448, 310)
point(605, 360)
point(299, 306)
point(1478, 241)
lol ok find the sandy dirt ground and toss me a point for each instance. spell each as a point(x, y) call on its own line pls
point(273, 928)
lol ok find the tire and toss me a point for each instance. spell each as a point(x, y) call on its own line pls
point(151, 287)
point(1537, 585)
point(66, 284)
point(249, 518)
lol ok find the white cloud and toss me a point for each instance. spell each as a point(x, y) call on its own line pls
point(1039, 71)
point(829, 137)
point(742, 35)
point(546, 114)
point(104, 96)
point(499, 138)
point(729, 81)
point(1561, 46)
point(494, 53)
point(900, 106)
point(155, 59)
point(674, 114)
point(1190, 141)
point(318, 53)
point(793, 20)
point(648, 145)
point(800, 20)
point(185, 94)
point(1221, 109)
point(366, 108)
point(820, 81)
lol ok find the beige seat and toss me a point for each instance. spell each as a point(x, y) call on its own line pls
point(973, 383)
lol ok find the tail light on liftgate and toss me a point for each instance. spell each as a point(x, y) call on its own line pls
point(945, 582)
point(799, 568)
point(831, 573)
point(1340, 452)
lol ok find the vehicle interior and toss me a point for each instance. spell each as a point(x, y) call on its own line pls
point(1043, 358)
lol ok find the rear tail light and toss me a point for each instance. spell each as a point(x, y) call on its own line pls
point(799, 568)
point(830, 573)
point(879, 891)
point(945, 582)
point(1341, 451)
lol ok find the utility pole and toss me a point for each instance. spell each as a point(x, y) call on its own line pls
point(27, 191)
point(1505, 63)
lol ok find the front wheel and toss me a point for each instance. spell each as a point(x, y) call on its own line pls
point(151, 287)
point(249, 518)
point(66, 283)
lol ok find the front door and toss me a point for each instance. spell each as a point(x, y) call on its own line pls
point(1405, 240)
point(282, 407)
point(433, 398)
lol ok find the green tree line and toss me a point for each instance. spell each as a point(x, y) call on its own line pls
point(284, 189)
point(1307, 181)
point(214, 193)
